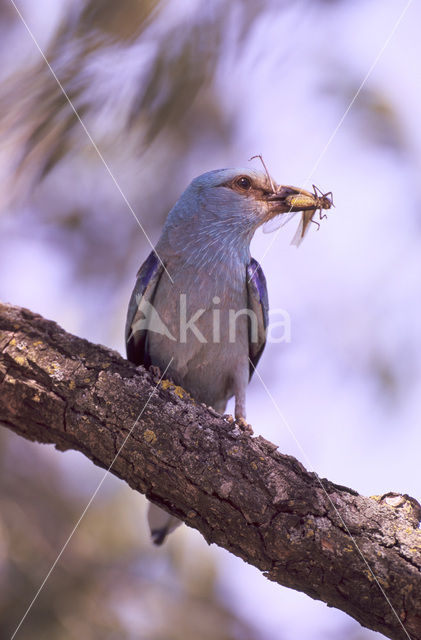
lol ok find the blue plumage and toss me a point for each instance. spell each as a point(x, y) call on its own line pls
point(259, 303)
point(147, 278)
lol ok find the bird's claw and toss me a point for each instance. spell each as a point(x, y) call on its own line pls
point(228, 417)
point(244, 425)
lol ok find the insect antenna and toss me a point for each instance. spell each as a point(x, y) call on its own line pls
point(318, 191)
point(265, 168)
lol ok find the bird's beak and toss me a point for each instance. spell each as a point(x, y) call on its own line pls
point(289, 198)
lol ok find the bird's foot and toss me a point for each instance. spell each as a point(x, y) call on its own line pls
point(244, 425)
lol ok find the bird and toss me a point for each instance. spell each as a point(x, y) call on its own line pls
point(199, 308)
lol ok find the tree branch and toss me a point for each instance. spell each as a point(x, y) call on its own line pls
point(237, 490)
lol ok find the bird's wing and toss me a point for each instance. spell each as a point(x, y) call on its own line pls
point(259, 304)
point(138, 313)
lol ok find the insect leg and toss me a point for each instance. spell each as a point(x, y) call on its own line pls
point(315, 221)
point(318, 191)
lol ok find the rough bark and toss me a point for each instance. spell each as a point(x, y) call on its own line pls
point(236, 489)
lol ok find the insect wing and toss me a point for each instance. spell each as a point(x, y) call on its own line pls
point(278, 221)
point(299, 234)
point(306, 219)
point(303, 227)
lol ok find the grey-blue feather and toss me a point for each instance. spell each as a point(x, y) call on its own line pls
point(259, 303)
point(205, 247)
point(136, 337)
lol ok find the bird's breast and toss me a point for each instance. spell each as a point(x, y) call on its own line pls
point(206, 331)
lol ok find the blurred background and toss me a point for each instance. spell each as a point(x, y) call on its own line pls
point(169, 89)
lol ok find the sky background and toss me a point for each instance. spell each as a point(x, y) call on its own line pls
point(276, 80)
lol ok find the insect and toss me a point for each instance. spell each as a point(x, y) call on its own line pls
point(306, 201)
point(309, 203)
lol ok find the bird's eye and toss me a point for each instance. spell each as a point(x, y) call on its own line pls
point(243, 183)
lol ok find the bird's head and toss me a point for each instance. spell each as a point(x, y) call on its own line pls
point(242, 198)
point(226, 206)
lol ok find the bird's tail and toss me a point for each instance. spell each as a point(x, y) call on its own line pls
point(161, 523)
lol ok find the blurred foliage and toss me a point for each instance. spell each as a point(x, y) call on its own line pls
point(142, 77)
point(374, 112)
point(168, 62)
point(124, 20)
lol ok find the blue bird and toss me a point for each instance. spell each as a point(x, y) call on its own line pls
point(199, 309)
